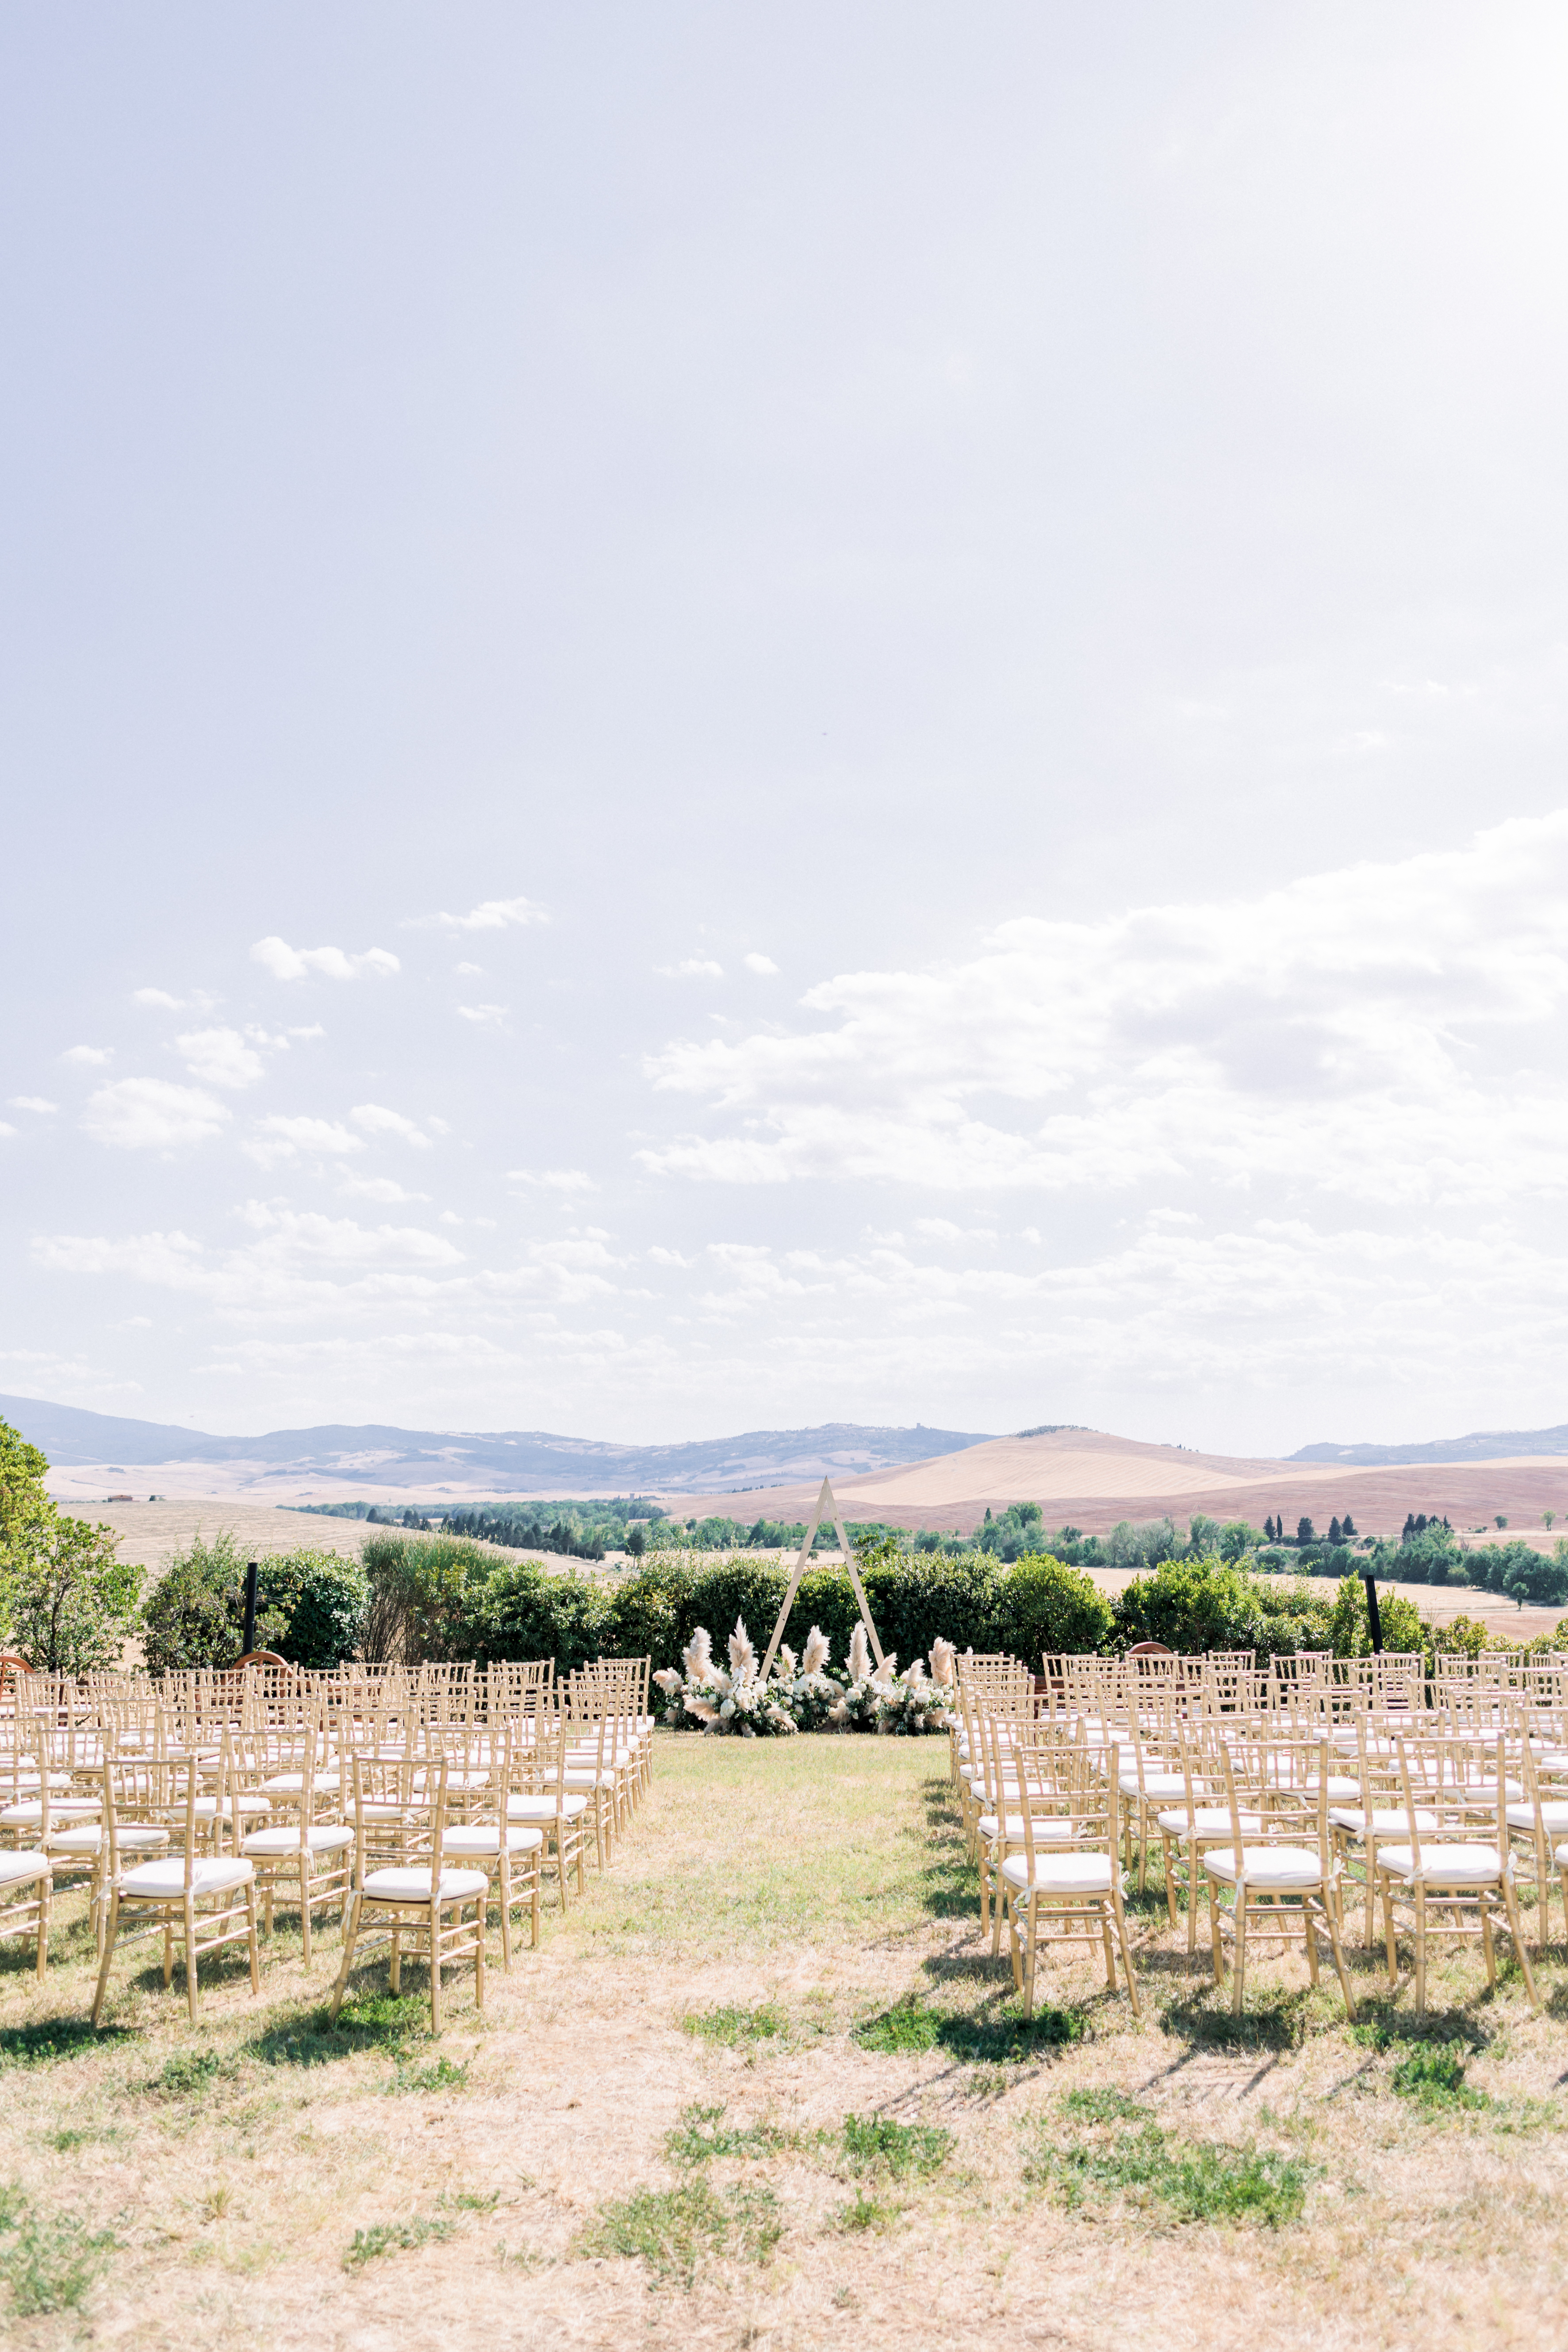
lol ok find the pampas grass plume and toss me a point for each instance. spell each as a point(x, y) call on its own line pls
point(818, 1649)
point(743, 1657)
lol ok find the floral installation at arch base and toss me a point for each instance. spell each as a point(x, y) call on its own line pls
point(806, 1695)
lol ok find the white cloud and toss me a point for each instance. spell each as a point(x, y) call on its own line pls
point(292, 1262)
point(553, 1180)
point(448, 1217)
point(33, 1102)
point(377, 1188)
point(156, 996)
point(662, 1257)
point(280, 1138)
point(761, 965)
point(284, 962)
point(693, 968)
point(494, 915)
point(90, 1058)
point(486, 1014)
point(220, 1056)
point(153, 1115)
point(376, 1119)
point(468, 970)
point(1386, 1033)
point(5, 1127)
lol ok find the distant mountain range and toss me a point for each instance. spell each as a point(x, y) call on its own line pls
point(1483, 1445)
point(507, 1461)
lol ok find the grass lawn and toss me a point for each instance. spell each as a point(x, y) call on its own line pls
point(767, 2086)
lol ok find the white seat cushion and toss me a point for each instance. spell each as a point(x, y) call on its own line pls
point(543, 1809)
point(1393, 1822)
point(134, 1837)
point(520, 1839)
point(1209, 1820)
point(1342, 1789)
point(166, 1881)
point(1554, 1815)
point(1444, 1865)
point(29, 1814)
point(1067, 1873)
point(285, 1784)
point(1155, 1784)
point(414, 1886)
point(329, 1838)
point(1045, 1830)
point(1270, 1866)
point(16, 1869)
point(585, 1780)
point(378, 1812)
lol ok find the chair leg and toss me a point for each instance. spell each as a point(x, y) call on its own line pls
point(478, 1950)
point(1031, 1955)
point(1170, 1880)
point(1336, 1941)
point(251, 1944)
point(1420, 1951)
point(45, 1894)
point(1310, 1938)
point(305, 1902)
point(503, 1875)
point(1238, 1964)
point(1127, 1960)
point(110, 1931)
point(191, 1955)
point(1388, 1943)
point(351, 1937)
point(538, 1875)
point(1215, 1945)
point(436, 1965)
point(1511, 1903)
point(1489, 1947)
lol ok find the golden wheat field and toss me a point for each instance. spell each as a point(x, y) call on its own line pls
point(767, 2086)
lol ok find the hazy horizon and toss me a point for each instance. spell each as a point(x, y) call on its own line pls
point(723, 721)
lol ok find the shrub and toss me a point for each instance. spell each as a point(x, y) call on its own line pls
point(321, 1598)
point(425, 1592)
point(73, 1605)
point(1047, 1606)
point(1195, 1605)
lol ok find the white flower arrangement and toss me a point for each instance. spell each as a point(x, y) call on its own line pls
point(736, 1701)
point(810, 1694)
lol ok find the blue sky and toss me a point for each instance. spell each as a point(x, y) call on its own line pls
point(721, 718)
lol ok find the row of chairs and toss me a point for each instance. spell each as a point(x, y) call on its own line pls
point(187, 1815)
point(1270, 1815)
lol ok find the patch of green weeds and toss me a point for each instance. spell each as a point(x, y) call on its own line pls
point(702, 2134)
point(901, 2151)
point(867, 2213)
point(190, 2075)
point(396, 2238)
point(734, 2027)
point(672, 2228)
point(1206, 2182)
point(74, 2136)
point(1434, 2075)
point(385, 2022)
point(473, 2201)
point(998, 2039)
point(434, 2075)
point(49, 2260)
point(53, 2038)
point(1103, 2106)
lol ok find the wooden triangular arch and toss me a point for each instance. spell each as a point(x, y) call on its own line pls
point(826, 1505)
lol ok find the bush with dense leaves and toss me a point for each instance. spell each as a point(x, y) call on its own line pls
point(1192, 1605)
point(310, 1607)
